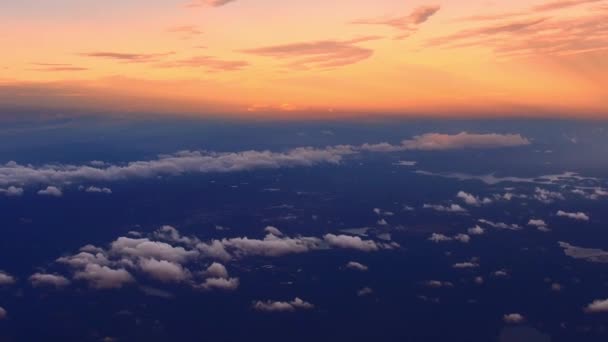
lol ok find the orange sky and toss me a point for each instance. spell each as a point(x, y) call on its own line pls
point(309, 58)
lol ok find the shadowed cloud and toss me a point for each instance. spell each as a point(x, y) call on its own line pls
point(127, 57)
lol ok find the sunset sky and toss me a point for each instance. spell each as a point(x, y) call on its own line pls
point(307, 58)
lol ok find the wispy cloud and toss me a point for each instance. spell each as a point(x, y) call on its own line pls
point(408, 23)
point(127, 57)
point(56, 67)
point(186, 31)
point(318, 54)
point(207, 62)
point(212, 3)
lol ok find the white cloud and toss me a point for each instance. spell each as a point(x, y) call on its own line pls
point(3, 313)
point(94, 189)
point(353, 265)
point(597, 306)
point(436, 237)
point(51, 191)
point(472, 199)
point(103, 277)
point(225, 284)
point(547, 196)
point(6, 279)
point(500, 225)
point(270, 306)
point(467, 264)
point(464, 238)
point(271, 245)
point(438, 284)
point(216, 270)
point(443, 142)
point(366, 291)
point(477, 230)
point(513, 318)
point(588, 254)
point(145, 248)
point(351, 242)
point(539, 224)
point(273, 230)
point(12, 191)
point(45, 279)
point(163, 270)
point(406, 163)
point(575, 216)
point(453, 208)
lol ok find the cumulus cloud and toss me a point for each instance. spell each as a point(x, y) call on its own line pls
point(51, 191)
point(472, 199)
point(575, 216)
point(453, 208)
point(224, 284)
point(436, 237)
point(500, 225)
point(539, 224)
point(103, 277)
point(216, 270)
point(366, 291)
point(547, 196)
point(597, 306)
point(12, 191)
point(271, 245)
point(6, 279)
point(350, 242)
point(353, 265)
point(438, 284)
point(477, 230)
point(163, 270)
point(587, 254)
point(273, 230)
point(145, 248)
point(48, 280)
point(467, 264)
point(94, 189)
point(292, 306)
point(513, 318)
point(464, 140)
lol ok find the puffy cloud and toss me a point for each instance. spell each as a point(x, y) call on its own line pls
point(6, 279)
point(12, 191)
point(216, 270)
point(467, 264)
point(587, 254)
point(472, 199)
point(145, 248)
point(464, 140)
point(103, 277)
point(436, 237)
point(351, 242)
point(225, 284)
point(353, 265)
point(539, 224)
point(294, 305)
point(83, 259)
point(171, 234)
point(438, 284)
point(45, 279)
point(464, 238)
point(273, 230)
point(575, 216)
point(94, 189)
point(453, 208)
point(51, 191)
point(163, 270)
point(214, 250)
point(513, 318)
point(501, 273)
point(271, 245)
point(477, 230)
point(547, 196)
point(597, 306)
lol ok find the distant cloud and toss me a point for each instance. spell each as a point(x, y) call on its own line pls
point(587, 254)
point(438, 284)
point(547, 196)
point(127, 57)
point(51, 191)
point(575, 216)
point(12, 191)
point(216, 270)
point(597, 306)
point(351, 242)
point(467, 264)
point(209, 63)
point(56, 67)
point(436, 237)
point(212, 3)
point(3, 313)
point(50, 280)
point(186, 31)
point(366, 291)
point(408, 23)
point(224, 284)
point(323, 54)
point(477, 230)
point(539, 224)
point(294, 305)
point(273, 230)
point(353, 265)
point(163, 270)
point(94, 189)
point(453, 208)
point(500, 225)
point(6, 279)
point(472, 199)
point(513, 318)
point(560, 4)
point(104, 277)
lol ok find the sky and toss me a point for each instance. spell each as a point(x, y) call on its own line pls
point(307, 59)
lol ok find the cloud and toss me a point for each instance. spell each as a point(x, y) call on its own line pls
point(94, 189)
point(575, 216)
point(187, 31)
point(477, 230)
point(560, 4)
point(438, 284)
point(322, 54)
point(224, 284)
point(165, 271)
point(539, 224)
point(292, 306)
point(271, 245)
point(353, 265)
point(464, 140)
point(51, 191)
point(273, 230)
point(209, 63)
point(407, 23)
point(465, 265)
point(6, 279)
point(216, 270)
point(350, 242)
point(453, 208)
point(547, 196)
point(145, 248)
point(212, 3)
point(56, 67)
point(366, 291)
point(587, 254)
point(501, 225)
point(50, 280)
point(127, 57)
point(435, 237)
point(472, 199)
point(103, 277)
point(12, 191)
point(597, 306)
point(513, 318)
